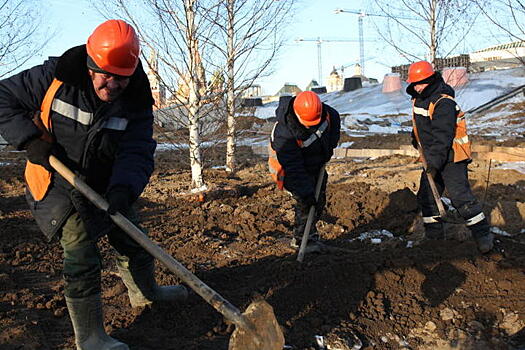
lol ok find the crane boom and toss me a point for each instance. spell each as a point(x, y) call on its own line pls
point(361, 14)
point(319, 41)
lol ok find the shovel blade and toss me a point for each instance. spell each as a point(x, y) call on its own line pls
point(269, 335)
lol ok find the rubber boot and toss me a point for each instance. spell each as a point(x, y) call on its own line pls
point(88, 324)
point(485, 243)
point(142, 287)
point(481, 233)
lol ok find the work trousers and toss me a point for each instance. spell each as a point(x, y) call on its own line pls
point(82, 260)
point(454, 178)
point(302, 209)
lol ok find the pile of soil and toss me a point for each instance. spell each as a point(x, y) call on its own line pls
point(403, 293)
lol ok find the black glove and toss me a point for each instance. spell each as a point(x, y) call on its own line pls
point(432, 171)
point(119, 199)
point(309, 200)
point(38, 152)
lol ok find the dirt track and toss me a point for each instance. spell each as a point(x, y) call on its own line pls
point(433, 295)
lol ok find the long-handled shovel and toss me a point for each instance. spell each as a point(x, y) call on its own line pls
point(435, 193)
point(311, 213)
point(257, 328)
point(437, 198)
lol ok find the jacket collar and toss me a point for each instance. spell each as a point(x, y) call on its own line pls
point(72, 70)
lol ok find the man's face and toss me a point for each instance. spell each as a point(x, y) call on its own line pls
point(420, 87)
point(108, 87)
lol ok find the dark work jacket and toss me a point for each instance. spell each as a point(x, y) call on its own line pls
point(105, 144)
point(302, 165)
point(435, 135)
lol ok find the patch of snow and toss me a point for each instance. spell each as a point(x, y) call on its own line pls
point(346, 144)
point(374, 235)
point(199, 189)
point(266, 111)
point(518, 166)
point(5, 163)
point(319, 339)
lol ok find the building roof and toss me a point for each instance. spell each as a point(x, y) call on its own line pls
point(507, 46)
point(289, 89)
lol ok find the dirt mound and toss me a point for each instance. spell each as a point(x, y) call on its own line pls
point(357, 207)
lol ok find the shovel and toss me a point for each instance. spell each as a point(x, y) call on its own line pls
point(256, 329)
point(437, 198)
point(311, 213)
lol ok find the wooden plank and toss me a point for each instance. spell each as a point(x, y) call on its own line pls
point(481, 148)
point(340, 152)
point(516, 151)
point(475, 148)
point(353, 152)
point(499, 156)
point(503, 154)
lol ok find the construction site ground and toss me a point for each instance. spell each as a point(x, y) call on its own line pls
point(382, 291)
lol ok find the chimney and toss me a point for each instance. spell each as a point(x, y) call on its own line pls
point(455, 76)
point(391, 83)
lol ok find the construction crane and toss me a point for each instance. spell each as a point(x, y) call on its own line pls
point(319, 41)
point(360, 15)
point(344, 66)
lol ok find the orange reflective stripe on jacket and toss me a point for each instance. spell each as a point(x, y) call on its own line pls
point(37, 177)
point(461, 144)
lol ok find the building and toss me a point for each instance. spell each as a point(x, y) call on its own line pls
point(335, 81)
point(158, 90)
point(503, 56)
point(253, 91)
point(288, 89)
point(311, 84)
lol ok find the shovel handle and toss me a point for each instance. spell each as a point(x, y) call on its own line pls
point(213, 298)
point(311, 213)
point(433, 188)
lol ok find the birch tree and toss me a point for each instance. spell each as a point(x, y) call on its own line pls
point(506, 16)
point(177, 31)
point(250, 34)
point(20, 34)
point(419, 28)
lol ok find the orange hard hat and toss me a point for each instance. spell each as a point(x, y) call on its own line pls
point(308, 107)
point(114, 47)
point(419, 71)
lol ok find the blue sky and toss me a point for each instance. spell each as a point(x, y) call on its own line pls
point(73, 21)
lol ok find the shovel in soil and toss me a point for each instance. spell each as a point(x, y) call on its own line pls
point(311, 213)
point(256, 329)
point(435, 193)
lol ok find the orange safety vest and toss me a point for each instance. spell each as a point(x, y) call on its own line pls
point(276, 169)
point(37, 177)
point(461, 145)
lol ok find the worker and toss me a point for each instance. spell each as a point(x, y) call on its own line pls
point(303, 138)
point(100, 125)
point(439, 129)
